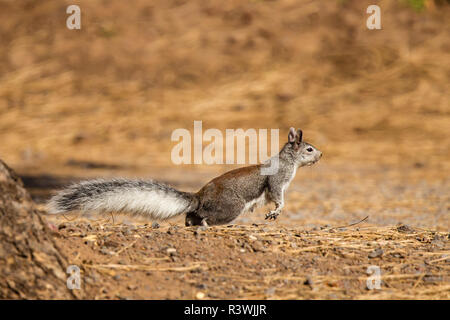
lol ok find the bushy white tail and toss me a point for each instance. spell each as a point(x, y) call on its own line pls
point(149, 198)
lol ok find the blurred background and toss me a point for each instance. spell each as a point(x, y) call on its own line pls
point(104, 100)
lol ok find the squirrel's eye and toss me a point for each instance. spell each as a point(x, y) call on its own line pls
point(309, 149)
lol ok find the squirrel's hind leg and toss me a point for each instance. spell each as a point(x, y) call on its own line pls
point(192, 219)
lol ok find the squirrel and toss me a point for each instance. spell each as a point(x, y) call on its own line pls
point(220, 201)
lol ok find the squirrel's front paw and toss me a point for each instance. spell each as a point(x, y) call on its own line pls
point(272, 215)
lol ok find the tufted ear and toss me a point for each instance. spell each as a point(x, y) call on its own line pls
point(299, 136)
point(291, 136)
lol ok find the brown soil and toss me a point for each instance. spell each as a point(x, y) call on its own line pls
point(104, 100)
point(265, 261)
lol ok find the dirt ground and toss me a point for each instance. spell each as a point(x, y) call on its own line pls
point(300, 256)
point(103, 101)
point(258, 261)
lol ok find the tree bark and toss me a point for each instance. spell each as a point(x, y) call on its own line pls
point(31, 265)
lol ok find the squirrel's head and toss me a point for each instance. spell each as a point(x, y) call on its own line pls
point(304, 153)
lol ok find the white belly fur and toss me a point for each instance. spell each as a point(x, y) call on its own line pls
point(258, 202)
